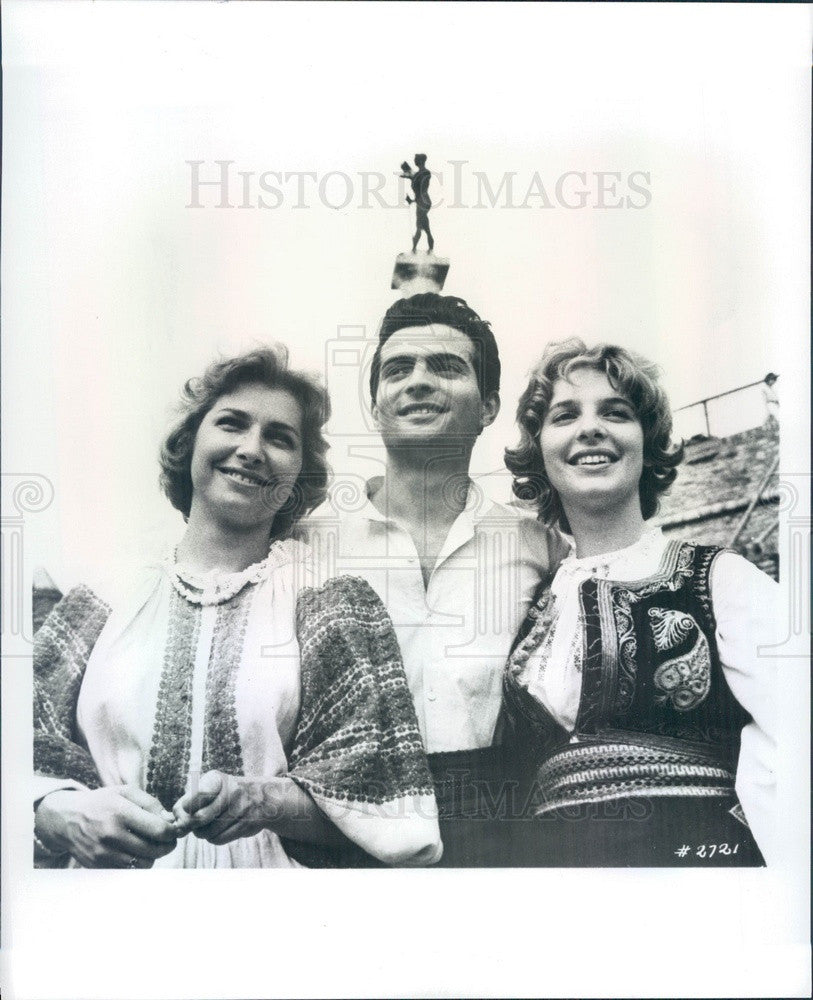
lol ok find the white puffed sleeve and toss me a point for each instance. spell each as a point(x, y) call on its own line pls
point(746, 606)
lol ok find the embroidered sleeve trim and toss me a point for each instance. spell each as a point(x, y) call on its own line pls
point(62, 647)
point(357, 737)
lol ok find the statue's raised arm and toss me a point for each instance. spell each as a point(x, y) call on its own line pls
point(420, 189)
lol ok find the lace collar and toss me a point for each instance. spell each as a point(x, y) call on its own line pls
point(630, 563)
point(218, 586)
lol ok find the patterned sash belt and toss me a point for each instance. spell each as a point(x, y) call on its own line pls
point(614, 765)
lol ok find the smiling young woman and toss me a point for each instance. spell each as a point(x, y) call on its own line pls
point(226, 713)
point(592, 446)
point(635, 693)
point(247, 458)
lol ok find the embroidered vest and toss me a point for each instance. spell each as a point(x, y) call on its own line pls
point(651, 662)
point(656, 715)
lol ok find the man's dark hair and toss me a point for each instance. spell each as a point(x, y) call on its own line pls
point(431, 309)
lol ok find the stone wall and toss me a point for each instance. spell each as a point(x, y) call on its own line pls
point(716, 482)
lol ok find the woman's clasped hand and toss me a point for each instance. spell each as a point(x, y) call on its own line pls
point(224, 808)
point(126, 827)
point(114, 827)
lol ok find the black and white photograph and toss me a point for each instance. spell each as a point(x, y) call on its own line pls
point(405, 499)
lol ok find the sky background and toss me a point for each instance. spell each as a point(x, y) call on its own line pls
point(114, 292)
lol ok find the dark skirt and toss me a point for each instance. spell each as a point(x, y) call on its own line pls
point(488, 819)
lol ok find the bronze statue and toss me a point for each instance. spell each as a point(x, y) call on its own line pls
point(420, 189)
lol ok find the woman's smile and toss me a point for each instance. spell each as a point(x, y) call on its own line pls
point(593, 459)
point(247, 456)
point(243, 477)
point(592, 443)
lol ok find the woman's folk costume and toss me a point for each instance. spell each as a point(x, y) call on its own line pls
point(641, 710)
point(252, 673)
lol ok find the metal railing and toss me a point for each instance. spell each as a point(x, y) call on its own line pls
point(749, 415)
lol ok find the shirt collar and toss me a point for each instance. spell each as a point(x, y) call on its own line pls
point(478, 505)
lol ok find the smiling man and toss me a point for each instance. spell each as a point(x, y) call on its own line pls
point(455, 570)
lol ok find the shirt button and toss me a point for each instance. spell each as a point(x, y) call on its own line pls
point(430, 696)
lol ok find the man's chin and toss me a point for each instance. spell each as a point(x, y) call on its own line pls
point(425, 436)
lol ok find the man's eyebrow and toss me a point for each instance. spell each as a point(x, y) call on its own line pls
point(438, 357)
point(398, 359)
point(447, 356)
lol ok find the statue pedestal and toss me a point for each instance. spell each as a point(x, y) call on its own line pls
point(419, 272)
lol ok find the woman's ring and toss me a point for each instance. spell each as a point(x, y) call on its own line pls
point(132, 863)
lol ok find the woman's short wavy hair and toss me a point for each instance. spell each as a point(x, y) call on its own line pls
point(627, 372)
point(267, 366)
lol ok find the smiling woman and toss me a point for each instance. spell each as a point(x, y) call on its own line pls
point(284, 416)
point(635, 691)
point(592, 445)
point(247, 457)
point(225, 713)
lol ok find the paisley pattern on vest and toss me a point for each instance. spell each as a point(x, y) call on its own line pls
point(684, 679)
point(651, 662)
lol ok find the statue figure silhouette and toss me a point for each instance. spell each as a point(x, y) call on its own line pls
point(420, 189)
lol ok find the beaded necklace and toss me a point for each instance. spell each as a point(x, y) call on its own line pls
point(215, 586)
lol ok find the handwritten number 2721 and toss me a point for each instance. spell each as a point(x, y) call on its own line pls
point(709, 850)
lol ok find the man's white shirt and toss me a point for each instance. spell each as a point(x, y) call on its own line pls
point(455, 633)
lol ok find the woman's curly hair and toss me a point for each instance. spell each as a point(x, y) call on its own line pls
point(630, 374)
point(266, 366)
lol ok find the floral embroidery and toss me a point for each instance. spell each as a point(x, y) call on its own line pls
point(677, 567)
point(357, 737)
point(61, 651)
point(684, 680)
point(544, 614)
point(62, 647)
point(628, 651)
point(168, 763)
point(670, 628)
point(221, 739)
